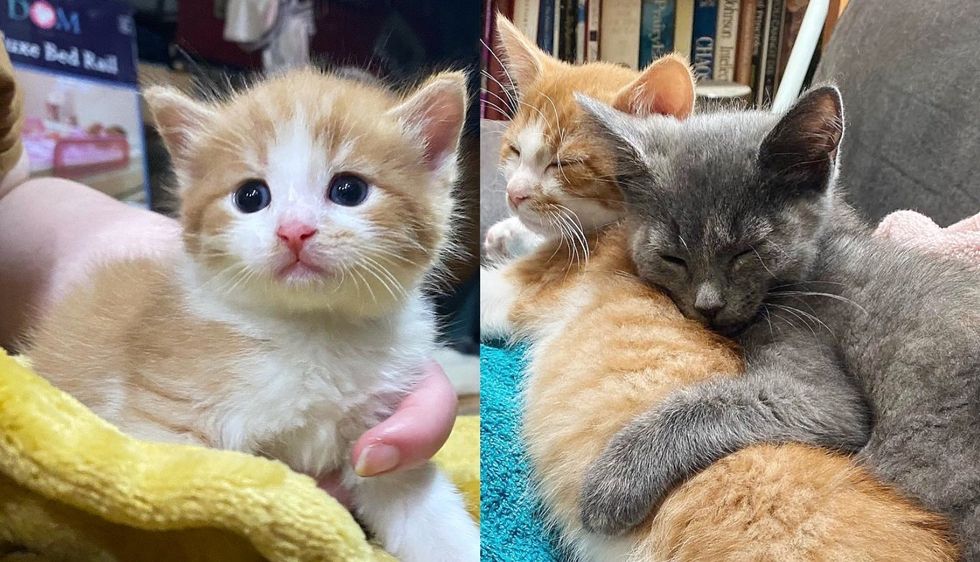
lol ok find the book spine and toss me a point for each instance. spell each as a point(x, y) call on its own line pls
point(526, 17)
point(726, 39)
point(656, 30)
point(620, 32)
point(759, 64)
point(684, 27)
point(772, 51)
point(795, 9)
point(703, 48)
point(745, 45)
point(558, 29)
point(546, 26)
point(580, 39)
point(489, 6)
point(569, 27)
point(495, 100)
point(489, 11)
point(592, 30)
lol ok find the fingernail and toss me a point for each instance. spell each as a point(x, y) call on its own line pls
point(376, 459)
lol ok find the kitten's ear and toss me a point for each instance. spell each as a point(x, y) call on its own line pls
point(616, 128)
point(624, 138)
point(666, 87)
point(521, 57)
point(178, 118)
point(435, 114)
point(802, 148)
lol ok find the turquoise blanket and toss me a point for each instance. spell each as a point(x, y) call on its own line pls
point(510, 529)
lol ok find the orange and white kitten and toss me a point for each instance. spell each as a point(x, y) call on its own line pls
point(603, 348)
point(313, 208)
point(560, 182)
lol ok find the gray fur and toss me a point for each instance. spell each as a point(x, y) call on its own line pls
point(850, 341)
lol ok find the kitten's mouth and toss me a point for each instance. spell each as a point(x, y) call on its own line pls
point(299, 269)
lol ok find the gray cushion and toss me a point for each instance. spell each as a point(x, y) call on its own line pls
point(909, 71)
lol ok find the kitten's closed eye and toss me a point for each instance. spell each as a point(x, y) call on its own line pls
point(252, 196)
point(673, 260)
point(559, 164)
point(742, 255)
point(513, 150)
point(347, 190)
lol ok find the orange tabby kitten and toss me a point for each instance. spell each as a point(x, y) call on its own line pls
point(559, 180)
point(604, 348)
point(313, 208)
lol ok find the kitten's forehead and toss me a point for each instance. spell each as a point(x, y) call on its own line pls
point(294, 158)
point(294, 133)
point(550, 105)
point(707, 184)
point(531, 139)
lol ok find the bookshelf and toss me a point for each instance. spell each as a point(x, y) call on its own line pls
point(742, 47)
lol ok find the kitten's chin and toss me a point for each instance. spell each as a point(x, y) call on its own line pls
point(729, 330)
point(300, 272)
point(305, 291)
point(534, 223)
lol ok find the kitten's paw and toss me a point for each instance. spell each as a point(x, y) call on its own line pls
point(612, 503)
point(508, 239)
point(455, 539)
point(418, 516)
point(497, 243)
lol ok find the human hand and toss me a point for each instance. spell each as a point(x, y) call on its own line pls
point(410, 436)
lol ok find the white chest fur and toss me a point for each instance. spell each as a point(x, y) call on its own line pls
point(316, 383)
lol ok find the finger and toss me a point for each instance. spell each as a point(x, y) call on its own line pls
point(418, 428)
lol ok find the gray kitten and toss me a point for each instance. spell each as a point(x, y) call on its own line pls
point(850, 342)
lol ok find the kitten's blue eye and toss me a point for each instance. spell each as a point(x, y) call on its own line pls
point(347, 190)
point(252, 196)
point(673, 260)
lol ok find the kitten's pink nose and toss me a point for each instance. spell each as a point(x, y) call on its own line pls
point(516, 197)
point(295, 235)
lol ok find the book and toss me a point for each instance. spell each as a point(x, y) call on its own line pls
point(656, 30)
point(569, 24)
point(726, 39)
point(761, 48)
point(619, 27)
point(495, 103)
point(557, 25)
point(580, 39)
point(592, 30)
point(748, 19)
point(526, 17)
point(792, 20)
point(767, 72)
point(546, 26)
point(489, 9)
point(75, 63)
point(683, 27)
point(703, 38)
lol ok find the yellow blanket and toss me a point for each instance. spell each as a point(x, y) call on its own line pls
point(72, 487)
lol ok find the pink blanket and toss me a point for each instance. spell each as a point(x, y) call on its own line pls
point(961, 240)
